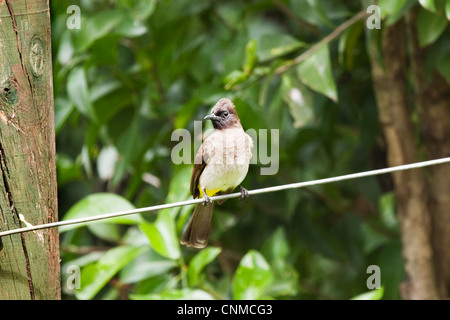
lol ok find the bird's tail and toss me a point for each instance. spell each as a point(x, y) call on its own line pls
point(197, 231)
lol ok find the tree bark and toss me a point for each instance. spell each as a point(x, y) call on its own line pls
point(410, 186)
point(432, 101)
point(29, 262)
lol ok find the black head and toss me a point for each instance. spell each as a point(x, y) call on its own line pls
point(224, 115)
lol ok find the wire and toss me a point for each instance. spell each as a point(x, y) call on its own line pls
point(229, 196)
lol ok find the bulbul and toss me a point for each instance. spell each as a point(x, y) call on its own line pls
point(220, 165)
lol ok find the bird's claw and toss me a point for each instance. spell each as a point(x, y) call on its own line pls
point(206, 199)
point(244, 193)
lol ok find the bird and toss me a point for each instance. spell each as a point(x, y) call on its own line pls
point(220, 165)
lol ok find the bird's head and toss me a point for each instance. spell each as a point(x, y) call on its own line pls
point(223, 115)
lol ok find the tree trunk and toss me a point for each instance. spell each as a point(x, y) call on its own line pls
point(29, 262)
point(411, 195)
point(432, 101)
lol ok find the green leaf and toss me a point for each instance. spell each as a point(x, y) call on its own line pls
point(100, 52)
point(387, 210)
point(200, 260)
point(130, 27)
point(271, 46)
point(157, 284)
point(252, 277)
point(141, 10)
point(78, 92)
point(315, 72)
point(233, 78)
point(84, 260)
point(372, 239)
point(97, 26)
point(178, 190)
point(428, 4)
point(276, 247)
point(182, 119)
point(391, 263)
point(250, 56)
point(96, 275)
point(129, 147)
point(443, 65)
point(311, 11)
point(108, 232)
point(106, 162)
point(97, 204)
point(63, 109)
point(429, 26)
point(299, 99)
point(447, 9)
point(376, 294)
point(394, 10)
point(104, 88)
point(348, 43)
point(285, 278)
point(149, 264)
point(66, 49)
point(162, 236)
point(174, 294)
point(68, 170)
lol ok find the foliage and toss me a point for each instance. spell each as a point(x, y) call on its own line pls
point(137, 70)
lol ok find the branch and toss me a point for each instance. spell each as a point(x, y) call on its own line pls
point(333, 35)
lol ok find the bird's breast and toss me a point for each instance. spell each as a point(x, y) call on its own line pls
point(228, 163)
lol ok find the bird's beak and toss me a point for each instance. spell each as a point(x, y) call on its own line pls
point(211, 117)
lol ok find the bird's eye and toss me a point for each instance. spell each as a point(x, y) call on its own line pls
point(225, 114)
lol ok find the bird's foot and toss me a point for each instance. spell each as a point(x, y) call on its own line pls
point(206, 198)
point(244, 193)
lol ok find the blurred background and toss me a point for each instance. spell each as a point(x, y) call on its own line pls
point(137, 70)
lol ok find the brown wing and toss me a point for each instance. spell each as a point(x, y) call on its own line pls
point(195, 178)
point(200, 161)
